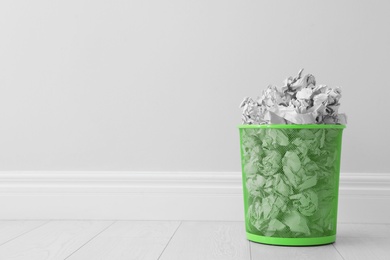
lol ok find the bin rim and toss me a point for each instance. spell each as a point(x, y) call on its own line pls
point(308, 126)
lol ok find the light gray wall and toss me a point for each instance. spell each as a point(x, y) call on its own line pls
point(155, 85)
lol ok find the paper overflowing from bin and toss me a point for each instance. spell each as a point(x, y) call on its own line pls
point(291, 181)
point(299, 101)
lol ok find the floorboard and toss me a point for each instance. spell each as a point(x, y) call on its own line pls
point(353, 248)
point(54, 240)
point(175, 240)
point(208, 240)
point(363, 241)
point(138, 240)
point(363, 230)
point(10, 229)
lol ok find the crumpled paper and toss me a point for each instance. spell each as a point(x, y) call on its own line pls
point(299, 101)
point(291, 183)
point(306, 202)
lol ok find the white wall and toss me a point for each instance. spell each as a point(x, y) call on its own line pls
point(155, 85)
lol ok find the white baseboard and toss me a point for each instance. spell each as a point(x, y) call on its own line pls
point(364, 198)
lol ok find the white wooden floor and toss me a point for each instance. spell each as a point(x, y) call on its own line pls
point(175, 240)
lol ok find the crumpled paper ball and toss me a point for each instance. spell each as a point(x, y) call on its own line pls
point(299, 101)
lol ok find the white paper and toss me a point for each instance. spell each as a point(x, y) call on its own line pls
point(299, 101)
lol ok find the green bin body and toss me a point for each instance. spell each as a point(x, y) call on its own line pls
point(290, 177)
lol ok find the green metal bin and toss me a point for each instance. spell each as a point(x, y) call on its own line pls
point(290, 179)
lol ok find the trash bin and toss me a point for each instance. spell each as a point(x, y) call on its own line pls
point(290, 177)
